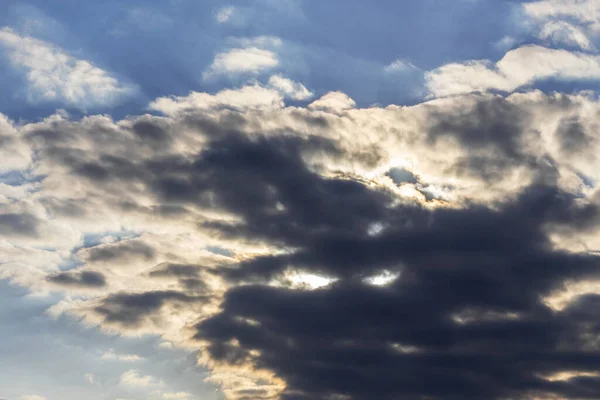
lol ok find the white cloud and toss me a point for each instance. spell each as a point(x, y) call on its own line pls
point(585, 11)
point(289, 88)
point(111, 355)
point(382, 279)
point(32, 397)
point(307, 281)
point(561, 32)
point(54, 75)
point(334, 102)
point(519, 67)
point(224, 14)
point(250, 60)
point(14, 153)
point(249, 97)
point(134, 379)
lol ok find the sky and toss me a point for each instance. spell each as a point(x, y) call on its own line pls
point(299, 200)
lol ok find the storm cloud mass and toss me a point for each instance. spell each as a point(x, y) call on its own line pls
point(233, 208)
point(271, 240)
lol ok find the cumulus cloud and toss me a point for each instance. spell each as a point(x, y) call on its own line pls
point(284, 244)
point(289, 88)
point(335, 102)
point(54, 75)
point(519, 67)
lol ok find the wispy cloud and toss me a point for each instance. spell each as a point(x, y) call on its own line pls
point(224, 14)
point(111, 355)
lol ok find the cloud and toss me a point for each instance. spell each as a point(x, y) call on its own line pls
point(289, 88)
point(587, 12)
point(224, 14)
point(250, 97)
point(335, 102)
point(284, 244)
point(111, 355)
point(85, 279)
point(55, 76)
point(399, 65)
point(33, 397)
point(249, 60)
point(560, 32)
point(519, 67)
point(14, 152)
point(134, 379)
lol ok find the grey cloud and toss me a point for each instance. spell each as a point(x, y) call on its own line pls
point(175, 270)
point(119, 251)
point(572, 136)
point(129, 310)
point(19, 224)
point(188, 275)
point(83, 279)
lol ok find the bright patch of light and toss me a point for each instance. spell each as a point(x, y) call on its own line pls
point(309, 281)
point(404, 349)
point(383, 279)
point(375, 229)
point(568, 375)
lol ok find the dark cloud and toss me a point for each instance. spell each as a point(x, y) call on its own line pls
point(187, 275)
point(83, 279)
point(491, 130)
point(19, 224)
point(572, 136)
point(129, 310)
point(340, 340)
point(175, 270)
point(491, 122)
point(495, 265)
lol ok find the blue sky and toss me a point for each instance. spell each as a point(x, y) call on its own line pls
point(162, 48)
point(123, 217)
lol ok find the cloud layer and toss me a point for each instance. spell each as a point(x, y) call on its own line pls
point(304, 210)
point(328, 250)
